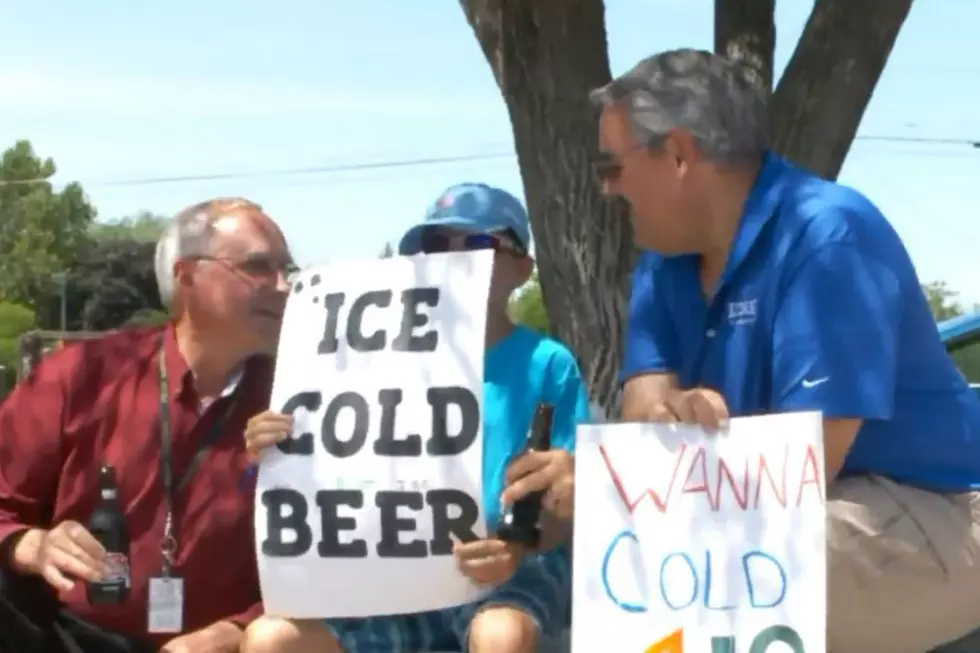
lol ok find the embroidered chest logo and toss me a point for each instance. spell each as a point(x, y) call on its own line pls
point(743, 312)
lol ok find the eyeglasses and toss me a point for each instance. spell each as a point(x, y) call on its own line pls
point(260, 268)
point(435, 242)
point(608, 165)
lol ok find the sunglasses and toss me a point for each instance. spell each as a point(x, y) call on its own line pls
point(608, 165)
point(434, 242)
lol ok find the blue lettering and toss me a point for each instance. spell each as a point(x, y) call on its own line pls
point(723, 644)
point(747, 568)
point(623, 605)
point(694, 581)
point(707, 586)
point(756, 565)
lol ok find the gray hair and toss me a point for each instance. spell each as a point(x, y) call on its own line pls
point(189, 234)
point(721, 103)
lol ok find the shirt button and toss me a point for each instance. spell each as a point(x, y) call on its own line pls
point(710, 333)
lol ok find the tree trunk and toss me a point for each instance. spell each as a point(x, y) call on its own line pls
point(828, 82)
point(746, 30)
point(546, 56)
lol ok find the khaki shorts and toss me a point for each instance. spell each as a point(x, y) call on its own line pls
point(903, 566)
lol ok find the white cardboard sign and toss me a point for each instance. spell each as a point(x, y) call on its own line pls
point(695, 543)
point(381, 364)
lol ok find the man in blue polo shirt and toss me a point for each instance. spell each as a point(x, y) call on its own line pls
point(767, 289)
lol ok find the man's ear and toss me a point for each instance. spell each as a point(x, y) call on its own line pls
point(182, 273)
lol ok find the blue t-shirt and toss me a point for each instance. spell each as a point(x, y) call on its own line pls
point(521, 371)
point(819, 308)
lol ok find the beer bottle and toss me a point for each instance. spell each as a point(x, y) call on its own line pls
point(519, 522)
point(108, 525)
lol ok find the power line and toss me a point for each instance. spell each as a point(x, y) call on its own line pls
point(914, 139)
point(403, 163)
point(348, 167)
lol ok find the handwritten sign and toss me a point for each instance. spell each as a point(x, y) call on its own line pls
point(381, 365)
point(694, 543)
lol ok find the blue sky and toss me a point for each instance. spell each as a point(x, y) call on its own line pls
point(118, 91)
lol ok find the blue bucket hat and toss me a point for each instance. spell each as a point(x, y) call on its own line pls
point(476, 208)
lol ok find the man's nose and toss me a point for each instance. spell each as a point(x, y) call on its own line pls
point(609, 187)
point(282, 281)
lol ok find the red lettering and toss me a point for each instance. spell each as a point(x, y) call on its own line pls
point(631, 504)
point(742, 499)
point(811, 475)
point(764, 472)
point(699, 463)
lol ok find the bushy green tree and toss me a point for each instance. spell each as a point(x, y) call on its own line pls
point(527, 307)
point(41, 228)
point(15, 320)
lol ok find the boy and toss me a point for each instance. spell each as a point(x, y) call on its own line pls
point(529, 602)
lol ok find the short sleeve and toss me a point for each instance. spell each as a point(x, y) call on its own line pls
point(834, 336)
point(651, 340)
point(567, 392)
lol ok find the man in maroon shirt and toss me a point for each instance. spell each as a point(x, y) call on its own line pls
point(222, 267)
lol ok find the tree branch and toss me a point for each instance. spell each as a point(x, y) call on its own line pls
point(828, 83)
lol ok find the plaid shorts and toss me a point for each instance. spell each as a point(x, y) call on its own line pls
point(541, 588)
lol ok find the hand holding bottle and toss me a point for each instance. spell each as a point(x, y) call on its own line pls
point(67, 551)
point(551, 472)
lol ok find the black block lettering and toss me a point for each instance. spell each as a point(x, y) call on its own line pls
point(443, 525)
point(331, 304)
point(442, 443)
point(386, 444)
point(286, 510)
point(331, 524)
point(356, 337)
point(362, 415)
point(302, 444)
point(392, 526)
point(412, 318)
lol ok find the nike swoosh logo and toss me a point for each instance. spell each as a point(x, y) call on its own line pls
point(807, 383)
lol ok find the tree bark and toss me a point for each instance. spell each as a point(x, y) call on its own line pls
point(746, 30)
point(822, 95)
point(546, 56)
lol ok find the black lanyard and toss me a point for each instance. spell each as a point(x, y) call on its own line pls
point(172, 486)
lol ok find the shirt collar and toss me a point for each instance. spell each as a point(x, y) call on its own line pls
point(759, 209)
point(180, 378)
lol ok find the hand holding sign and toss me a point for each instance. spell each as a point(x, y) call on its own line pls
point(266, 430)
point(701, 406)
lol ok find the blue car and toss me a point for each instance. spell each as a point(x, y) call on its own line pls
point(961, 332)
point(957, 334)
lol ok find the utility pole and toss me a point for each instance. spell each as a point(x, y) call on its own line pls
point(61, 278)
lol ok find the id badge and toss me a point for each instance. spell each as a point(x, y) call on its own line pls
point(166, 605)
